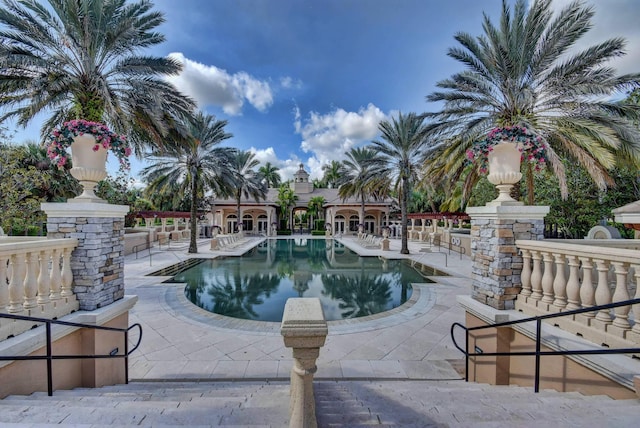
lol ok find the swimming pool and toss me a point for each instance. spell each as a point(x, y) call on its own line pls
point(256, 285)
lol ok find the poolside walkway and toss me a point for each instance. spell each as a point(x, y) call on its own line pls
point(183, 342)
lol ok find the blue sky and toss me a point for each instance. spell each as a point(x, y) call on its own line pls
point(303, 81)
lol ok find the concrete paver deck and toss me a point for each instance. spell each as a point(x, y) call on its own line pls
point(182, 341)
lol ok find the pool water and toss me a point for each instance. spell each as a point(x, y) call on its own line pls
point(256, 285)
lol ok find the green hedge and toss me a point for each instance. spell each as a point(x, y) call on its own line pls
point(317, 233)
point(284, 232)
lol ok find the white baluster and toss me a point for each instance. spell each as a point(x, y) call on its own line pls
point(56, 278)
point(560, 283)
point(536, 276)
point(573, 284)
point(547, 278)
point(44, 280)
point(621, 294)
point(587, 291)
point(525, 276)
point(603, 293)
point(67, 275)
point(31, 280)
point(4, 284)
point(16, 285)
point(636, 307)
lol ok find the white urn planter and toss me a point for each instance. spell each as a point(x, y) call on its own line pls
point(89, 166)
point(504, 171)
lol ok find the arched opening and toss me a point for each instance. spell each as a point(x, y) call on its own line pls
point(263, 223)
point(353, 223)
point(339, 223)
point(369, 224)
point(247, 223)
point(232, 221)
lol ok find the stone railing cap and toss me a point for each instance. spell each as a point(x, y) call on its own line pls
point(303, 316)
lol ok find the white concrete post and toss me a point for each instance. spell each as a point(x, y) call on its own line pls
point(304, 329)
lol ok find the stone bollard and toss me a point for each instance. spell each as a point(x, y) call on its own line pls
point(214, 244)
point(304, 329)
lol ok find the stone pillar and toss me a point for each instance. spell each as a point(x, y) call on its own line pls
point(97, 262)
point(496, 263)
point(305, 330)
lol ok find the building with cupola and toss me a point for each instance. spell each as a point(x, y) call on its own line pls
point(259, 217)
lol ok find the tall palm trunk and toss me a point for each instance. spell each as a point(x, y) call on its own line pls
point(193, 244)
point(238, 220)
point(404, 204)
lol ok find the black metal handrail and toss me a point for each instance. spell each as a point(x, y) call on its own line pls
point(49, 357)
point(538, 353)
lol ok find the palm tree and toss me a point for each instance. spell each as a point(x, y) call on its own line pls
point(270, 174)
point(286, 199)
point(333, 174)
point(79, 59)
point(246, 180)
point(399, 157)
point(359, 179)
point(194, 163)
point(521, 73)
point(315, 208)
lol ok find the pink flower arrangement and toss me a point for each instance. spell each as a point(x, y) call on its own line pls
point(60, 139)
point(532, 147)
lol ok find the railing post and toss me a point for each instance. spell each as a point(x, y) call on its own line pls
point(538, 340)
point(49, 360)
point(4, 287)
point(56, 278)
point(305, 330)
point(547, 279)
point(536, 276)
point(559, 283)
point(44, 280)
point(31, 280)
point(603, 293)
point(16, 285)
point(525, 276)
point(587, 292)
point(635, 331)
point(621, 294)
point(573, 284)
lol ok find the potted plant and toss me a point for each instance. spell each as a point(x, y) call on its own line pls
point(90, 143)
point(501, 153)
point(532, 147)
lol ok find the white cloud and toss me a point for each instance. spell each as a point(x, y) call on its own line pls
point(327, 137)
point(209, 85)
point(289, 83)
point(288, 167)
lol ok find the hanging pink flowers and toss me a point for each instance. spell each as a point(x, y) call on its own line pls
point(61, 139)
point(532, 147)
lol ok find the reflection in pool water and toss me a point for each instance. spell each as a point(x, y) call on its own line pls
point(256, 285)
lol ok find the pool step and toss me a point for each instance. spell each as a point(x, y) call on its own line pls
point(177, 268)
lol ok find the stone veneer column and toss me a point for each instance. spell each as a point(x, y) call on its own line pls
point(98, 261)
point(496, 263)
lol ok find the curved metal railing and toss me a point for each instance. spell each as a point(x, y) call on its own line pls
point(538, 352)
point(49, 357)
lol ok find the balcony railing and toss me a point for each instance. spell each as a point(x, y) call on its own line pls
point(35, 281)
point(559, 276)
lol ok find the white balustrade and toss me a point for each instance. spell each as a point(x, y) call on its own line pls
point(35, 280)
point(572, 274)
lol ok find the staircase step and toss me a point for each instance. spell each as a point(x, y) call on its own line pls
point(349, 404)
